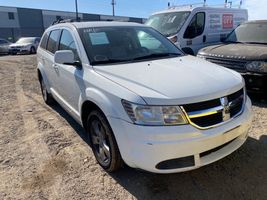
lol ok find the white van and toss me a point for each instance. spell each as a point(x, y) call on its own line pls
point(193, 28)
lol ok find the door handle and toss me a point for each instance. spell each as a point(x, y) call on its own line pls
point(55, 66)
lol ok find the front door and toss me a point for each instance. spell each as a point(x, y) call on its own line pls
point(194, 37)
point(69, 77)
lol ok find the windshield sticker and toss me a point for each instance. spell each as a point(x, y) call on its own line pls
point(99, 38)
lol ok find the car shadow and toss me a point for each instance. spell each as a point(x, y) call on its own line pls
point(75, 125)
point(241, 175)
point(259, 100)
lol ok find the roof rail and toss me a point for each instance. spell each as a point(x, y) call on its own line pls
point(59, 21)
point(187, 5)
point(204, 4)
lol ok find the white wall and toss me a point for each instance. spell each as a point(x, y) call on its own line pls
point(5, 22)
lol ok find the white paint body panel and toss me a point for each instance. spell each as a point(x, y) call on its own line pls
point(173, 81)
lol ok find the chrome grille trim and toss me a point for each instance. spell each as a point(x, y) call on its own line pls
point(224, 108)
point(206, 112)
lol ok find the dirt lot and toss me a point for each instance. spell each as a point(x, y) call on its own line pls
point(43, 154)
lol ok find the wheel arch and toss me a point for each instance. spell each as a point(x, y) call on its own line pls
point(41, 76)
point(87, 107)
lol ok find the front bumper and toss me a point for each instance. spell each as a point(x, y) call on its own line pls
point(146, 147)
point(255, 82)
point(19, 50)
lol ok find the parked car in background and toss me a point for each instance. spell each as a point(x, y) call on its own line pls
point(140, 99)
point(25, 45)
point(193, 28)
point(4, 46)
point(245, 51)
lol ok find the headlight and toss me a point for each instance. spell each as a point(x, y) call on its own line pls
point(257, 66)
point(154, 115)
point(201, 56)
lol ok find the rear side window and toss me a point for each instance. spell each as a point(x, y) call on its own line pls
point(44, 41)
point(52, 41)
point(67, 43)
point(196, 26)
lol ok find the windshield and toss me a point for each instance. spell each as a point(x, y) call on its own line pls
point(25, 40)
point(168, 24)
point(125, 44)
point(249, 33)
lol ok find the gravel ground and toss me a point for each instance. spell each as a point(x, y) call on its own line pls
point(43, 154)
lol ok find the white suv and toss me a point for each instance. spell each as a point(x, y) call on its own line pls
point(140, 99)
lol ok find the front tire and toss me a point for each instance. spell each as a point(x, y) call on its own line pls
point(103, 142)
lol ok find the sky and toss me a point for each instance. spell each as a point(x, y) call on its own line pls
point(133, 8)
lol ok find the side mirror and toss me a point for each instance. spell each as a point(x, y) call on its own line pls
point(65, 57)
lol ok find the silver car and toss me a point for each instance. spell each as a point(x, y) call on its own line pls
point(4, 46)
point(25, 45)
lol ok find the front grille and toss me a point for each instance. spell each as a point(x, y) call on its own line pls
point(214, 112)
point(188, 161)
point(203, 105)
point(238, 65)
point(208, 120)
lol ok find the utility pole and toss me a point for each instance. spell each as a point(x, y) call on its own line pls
point(76, 5)
point(113, 7)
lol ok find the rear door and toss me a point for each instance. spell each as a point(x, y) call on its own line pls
point(48, 60)
point(194, 37)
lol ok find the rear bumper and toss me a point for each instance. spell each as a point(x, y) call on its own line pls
point(158, 149)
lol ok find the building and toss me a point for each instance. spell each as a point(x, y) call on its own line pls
point(24, 22)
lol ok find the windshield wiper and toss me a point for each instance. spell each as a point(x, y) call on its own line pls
point(235, 42)
point(255, 43)
point(156, 55)
point(108, 61)
point(153, 55)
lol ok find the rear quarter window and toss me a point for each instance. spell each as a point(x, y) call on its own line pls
point(44, 41)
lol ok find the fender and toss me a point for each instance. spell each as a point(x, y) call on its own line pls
point(40, 67)
point(100, 99)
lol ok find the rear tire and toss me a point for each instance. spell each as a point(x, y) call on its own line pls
point(48, 98)
point(103, 142)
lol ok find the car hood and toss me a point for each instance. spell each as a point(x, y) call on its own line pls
point(236, 51)
point(19, 45)
point(174, 81)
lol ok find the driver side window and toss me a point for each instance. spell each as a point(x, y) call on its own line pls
point(196, 26)
point(67, 43)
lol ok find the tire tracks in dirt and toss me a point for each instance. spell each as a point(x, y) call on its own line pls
point(48, 176)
